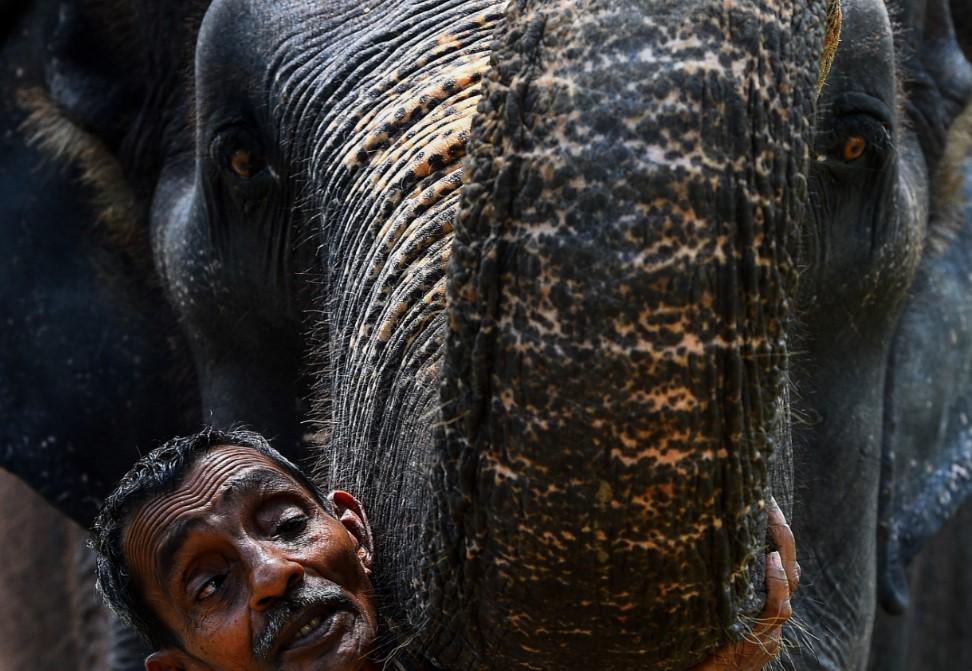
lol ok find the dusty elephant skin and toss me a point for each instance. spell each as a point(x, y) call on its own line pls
point(90, 365)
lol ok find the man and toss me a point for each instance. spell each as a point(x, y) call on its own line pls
point(227, 558)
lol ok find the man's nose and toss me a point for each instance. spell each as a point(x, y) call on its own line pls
point(272, 575)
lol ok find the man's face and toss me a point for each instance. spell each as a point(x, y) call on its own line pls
point(249, 572)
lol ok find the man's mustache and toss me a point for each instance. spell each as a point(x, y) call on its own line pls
point(328, 596)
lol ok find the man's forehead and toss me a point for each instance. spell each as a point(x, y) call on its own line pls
point(222, 473)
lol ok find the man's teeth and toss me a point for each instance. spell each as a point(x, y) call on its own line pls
point(309, 627)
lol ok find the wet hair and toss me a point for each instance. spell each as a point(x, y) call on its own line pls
point(159, 472)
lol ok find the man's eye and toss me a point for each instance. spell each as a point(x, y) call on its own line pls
point(291, 526)
point(210, 587)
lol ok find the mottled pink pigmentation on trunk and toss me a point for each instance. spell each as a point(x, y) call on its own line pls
point(619, 287)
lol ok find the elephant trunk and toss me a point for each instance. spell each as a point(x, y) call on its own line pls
point(617, 301)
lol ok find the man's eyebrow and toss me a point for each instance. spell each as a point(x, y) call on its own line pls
point(175, 539)
point(249, 481)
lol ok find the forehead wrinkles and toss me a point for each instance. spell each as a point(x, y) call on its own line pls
point(152, 519)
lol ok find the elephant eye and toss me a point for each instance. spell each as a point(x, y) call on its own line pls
point(854, 147)
point(237, 152)
point(245, 162)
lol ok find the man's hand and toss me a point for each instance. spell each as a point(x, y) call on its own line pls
point(782, 579)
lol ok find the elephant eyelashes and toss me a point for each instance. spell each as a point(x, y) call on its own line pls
point(246, 163)
point(854, 147)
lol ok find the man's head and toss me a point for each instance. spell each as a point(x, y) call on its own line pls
point(226, 557)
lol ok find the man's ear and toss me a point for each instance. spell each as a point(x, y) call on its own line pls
point(352, 515)
point(173, 659)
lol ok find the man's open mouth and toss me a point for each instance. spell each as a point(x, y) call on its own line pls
point(316, 625)
point(310, 617)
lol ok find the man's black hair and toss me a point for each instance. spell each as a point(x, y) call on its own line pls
point(159, 472)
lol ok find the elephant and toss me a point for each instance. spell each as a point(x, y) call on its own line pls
point(659, 280)
point(872, 356)
point(54, 616)
point(930, 402)
point(92, 362)
point(93, 367)
point(669, 270)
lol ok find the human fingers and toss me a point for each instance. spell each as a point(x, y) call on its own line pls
point(782, 537)
point(763, 644)
point(777, 609)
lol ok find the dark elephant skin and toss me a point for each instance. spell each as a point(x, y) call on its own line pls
point(511, 396)
point(874, 220)
point(504, 425)
point(10, 12)
point(91, 370)
point(95, 370)
point(933, 352)
point(962, 13)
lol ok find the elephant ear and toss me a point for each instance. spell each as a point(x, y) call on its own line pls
point(927, 440)
point(927, 449)
point(92, 372)
point(962, 17)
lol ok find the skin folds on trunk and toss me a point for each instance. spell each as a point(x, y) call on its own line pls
point(619, 285)
point(400, 87)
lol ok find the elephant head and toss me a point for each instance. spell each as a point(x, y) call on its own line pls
point(557, 371)
point(565, 370)
point(93, 367)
